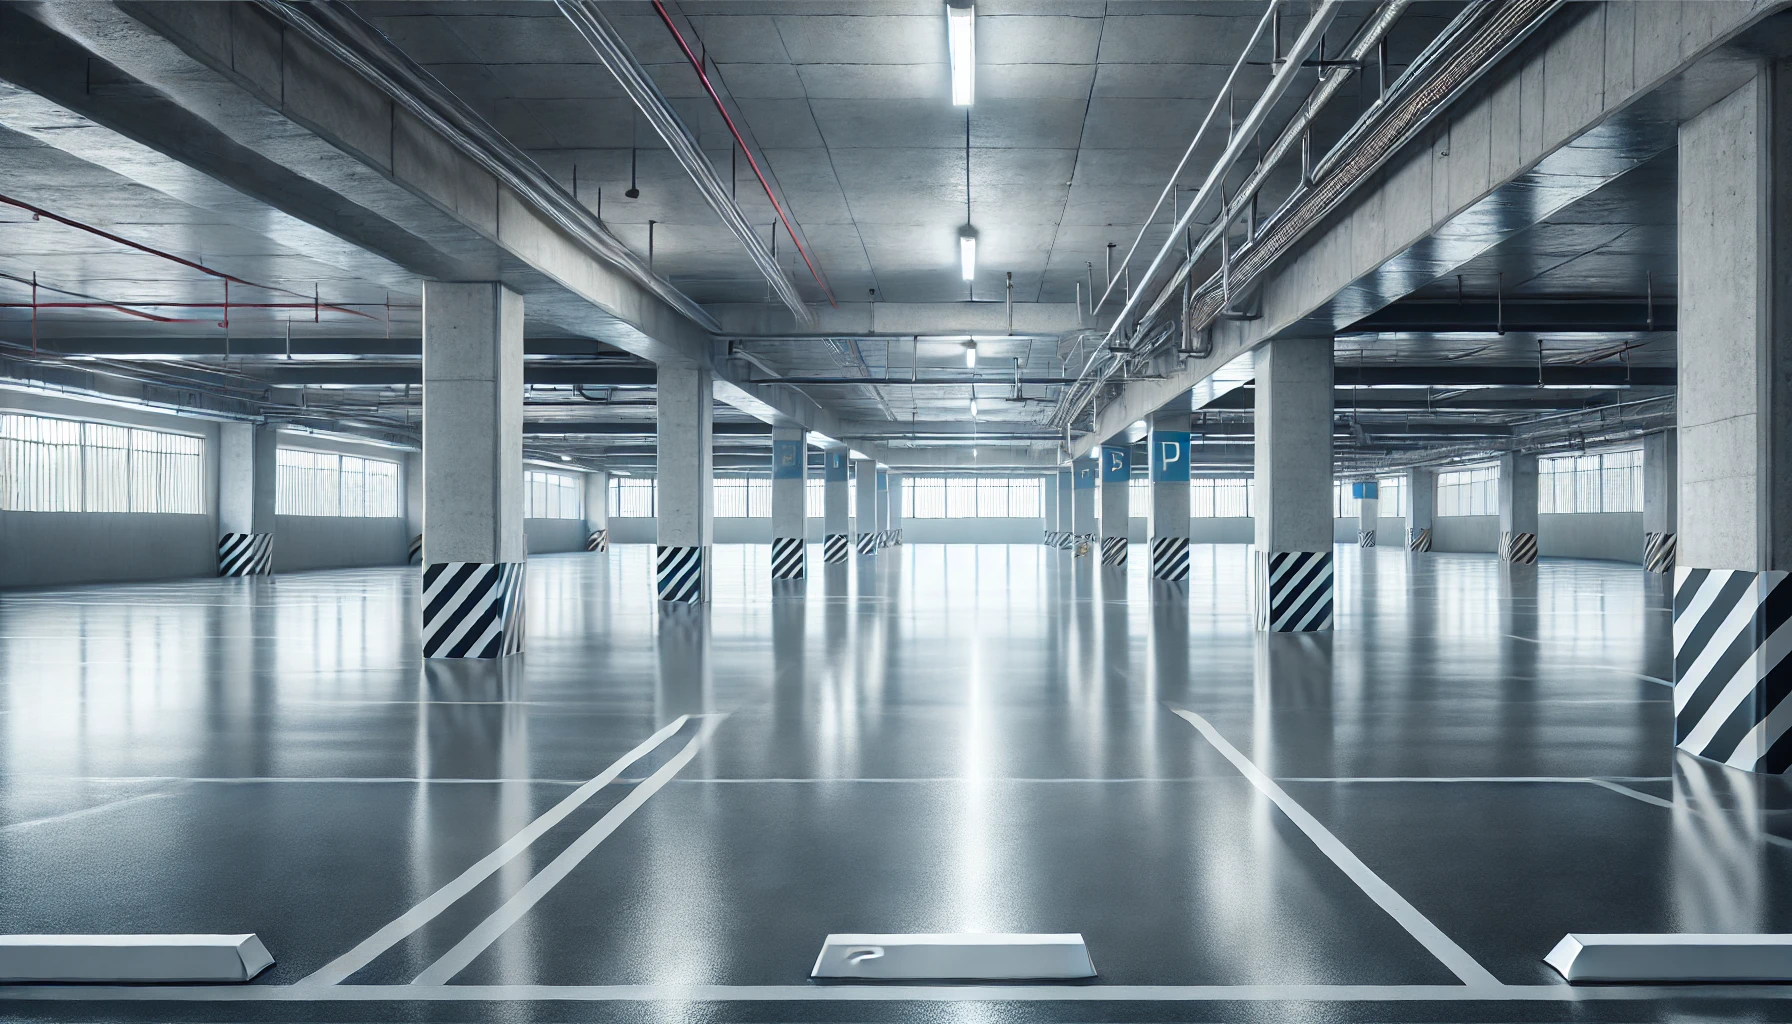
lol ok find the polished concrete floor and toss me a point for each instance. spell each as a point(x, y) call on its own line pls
point(657, 814)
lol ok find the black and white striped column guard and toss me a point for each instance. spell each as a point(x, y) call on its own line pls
point(246, 554)
point(680, 573)
point(867, 543)
point(599, 540)
point(1658, 552)
point(1113, 551)
point(1421, 540)
point(787, 558)
point(1169, 558)
point(1294, 591)
point(416, 555)
point(834, 547)
point(1733, 666)
point(1365, 538)
point(1519, 548)
point(472, 609)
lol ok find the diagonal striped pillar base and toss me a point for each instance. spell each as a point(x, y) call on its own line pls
point(788, 558)
point(1519, 548)
point(1733, 667)
point(1169, 558)
point(472, 609)
point(599, 540)
point(679, 577)
point(834, 547)
point(246, 554)
point(1113, 551)
point(867, 543)
point(1419, 540)
point(416, 555)
point(1365, 538)
point(1658, 552)
point(1292, 591)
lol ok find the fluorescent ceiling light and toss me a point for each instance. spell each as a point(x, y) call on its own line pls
point(961, 43)
point(970, 355)
point(967, 252)
point(565, 458)
point(973, 407)
point(619, 472)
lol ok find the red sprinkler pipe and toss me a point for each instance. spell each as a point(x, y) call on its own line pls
point(703, 76)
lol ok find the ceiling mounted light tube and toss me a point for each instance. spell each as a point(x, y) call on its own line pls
point(967, 252)
point(970, 354)
point(961, 44)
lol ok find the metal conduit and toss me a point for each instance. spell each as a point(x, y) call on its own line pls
point(614, 53)
point(333, 26)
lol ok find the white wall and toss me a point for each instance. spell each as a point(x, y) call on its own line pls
point(549, 536)
point(302, 543)
point(1612, 536)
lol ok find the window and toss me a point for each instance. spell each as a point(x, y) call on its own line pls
point(308, 483)
point(815, 498)
point(1393, 497)
point(1469, 492)
point(1138, 498)
point(1221, 499)
point(1343, 503)
point(741, 498)
point(631, 498)
point(552, 496)
point(936, 497)
point(57, 465)
point(1390, 499)
point(1607, 482)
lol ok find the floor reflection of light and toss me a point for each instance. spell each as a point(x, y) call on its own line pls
point(973, 869)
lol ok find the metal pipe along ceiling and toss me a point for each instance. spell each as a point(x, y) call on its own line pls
point(615, 55)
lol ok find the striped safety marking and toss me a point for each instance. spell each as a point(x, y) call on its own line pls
point(834, 548)
point(472, 609)
point(1518, 548)
point(1658, 552)
point(599, 540)
point(416, 555)
point(787, 558)
point(867, 543)
point(1365, 538)
point(1294, 591)
point(1420, 540)
point(1732, 667)
point(246, 554)
point(1169, 558)
point(680, 575)
point(1113, 551)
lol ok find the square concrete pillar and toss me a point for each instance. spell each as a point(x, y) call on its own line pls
point(473, 549)
point(1066, 483)
point(883, 508)
point(895, 501)
point(865, 516)
point(1049, 509)
point(1518, 508)
point(1421, 502)
point(597, 511)
point(1169, 443)
point(1661, 453)
point(836, 526)
point(685, 467)
point(248, 455)
point(1082, 502)
point(1116, 502)
point(413, 504)
point(1368, 510)
point(1734, 409)
point(790, 495)
point(1292, 566)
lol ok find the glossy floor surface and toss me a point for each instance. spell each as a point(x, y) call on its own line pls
point(658, 813)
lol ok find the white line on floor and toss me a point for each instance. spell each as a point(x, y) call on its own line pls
point(371, 947)
point(489, 930)
point(1479, 778)
point(1416, 924)
point(895, 993)
point(1767, 837)
point(20, 826)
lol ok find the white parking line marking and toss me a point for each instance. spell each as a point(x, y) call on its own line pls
point(392, 934)
point(1416, 924)
point(488, 931)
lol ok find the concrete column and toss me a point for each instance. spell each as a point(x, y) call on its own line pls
point(597, 511)
point(835, 529)
point(1518, 508)
point(790, 483)
point(1065, 484)
point(685, 467)
point(895, 509)
point(473, 550)
point(413, 504)
point(1661, 500)
point(1169, 492)
point(1116, 501)
point(883, 507)
point(1421, 503)
point(865, 492)
point(247, 457)
point(1082, 511)
point(1048, 508)
point(1292, 566)
point(1734, 414)
point(1368, 510)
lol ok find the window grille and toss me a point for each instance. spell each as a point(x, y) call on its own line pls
point(56, 465)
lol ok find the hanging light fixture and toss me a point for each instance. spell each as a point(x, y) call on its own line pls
point(967, 252)
point(970, 354)
point(961, 45)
